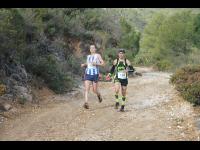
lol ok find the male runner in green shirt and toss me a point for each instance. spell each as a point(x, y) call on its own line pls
point(119, 72)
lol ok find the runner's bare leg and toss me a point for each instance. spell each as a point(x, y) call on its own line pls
point(87, 89)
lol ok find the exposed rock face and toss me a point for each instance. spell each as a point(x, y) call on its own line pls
point(14, 75)
point(16, 81)
point(22, 93)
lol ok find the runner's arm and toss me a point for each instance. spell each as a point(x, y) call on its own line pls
point(131, 69)
point(84, 65)
point(101, 61)
point(113, 68)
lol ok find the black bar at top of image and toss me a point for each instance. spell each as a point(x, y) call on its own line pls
point(99, 3)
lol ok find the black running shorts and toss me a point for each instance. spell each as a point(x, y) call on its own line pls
point(124, 82)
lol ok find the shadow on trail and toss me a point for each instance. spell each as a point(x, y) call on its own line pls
point(111, 106)
point(102, 107)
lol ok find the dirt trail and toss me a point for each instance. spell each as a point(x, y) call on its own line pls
point(154, 111)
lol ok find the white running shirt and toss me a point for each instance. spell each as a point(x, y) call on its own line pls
point(92, 70)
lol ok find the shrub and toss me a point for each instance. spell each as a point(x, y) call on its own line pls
point(109, 55)
point(192, 92)
point(163, 65)
point(48, 69)
point(22, 100)
point(187, 82)
point(143, 59)
point(74, 64)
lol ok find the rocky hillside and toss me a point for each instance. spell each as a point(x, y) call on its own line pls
point(39, 50)
point(45, 47)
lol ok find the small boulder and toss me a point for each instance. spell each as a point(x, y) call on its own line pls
point(21, 89)
point(5, 106)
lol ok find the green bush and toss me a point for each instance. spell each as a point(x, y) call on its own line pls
point(143, 59)
point(74, 64)
point(187, 82)
point(163, 65)
point(130, 55)
point(48, 69)
point(193, 57)
point(109, 55)
point(22, 100)
point(192, 92)
point(130, 38)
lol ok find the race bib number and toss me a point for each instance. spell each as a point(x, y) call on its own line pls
point(121, 75)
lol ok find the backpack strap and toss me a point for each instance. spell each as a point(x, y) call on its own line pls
point(126, 63)
point(117, 61)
